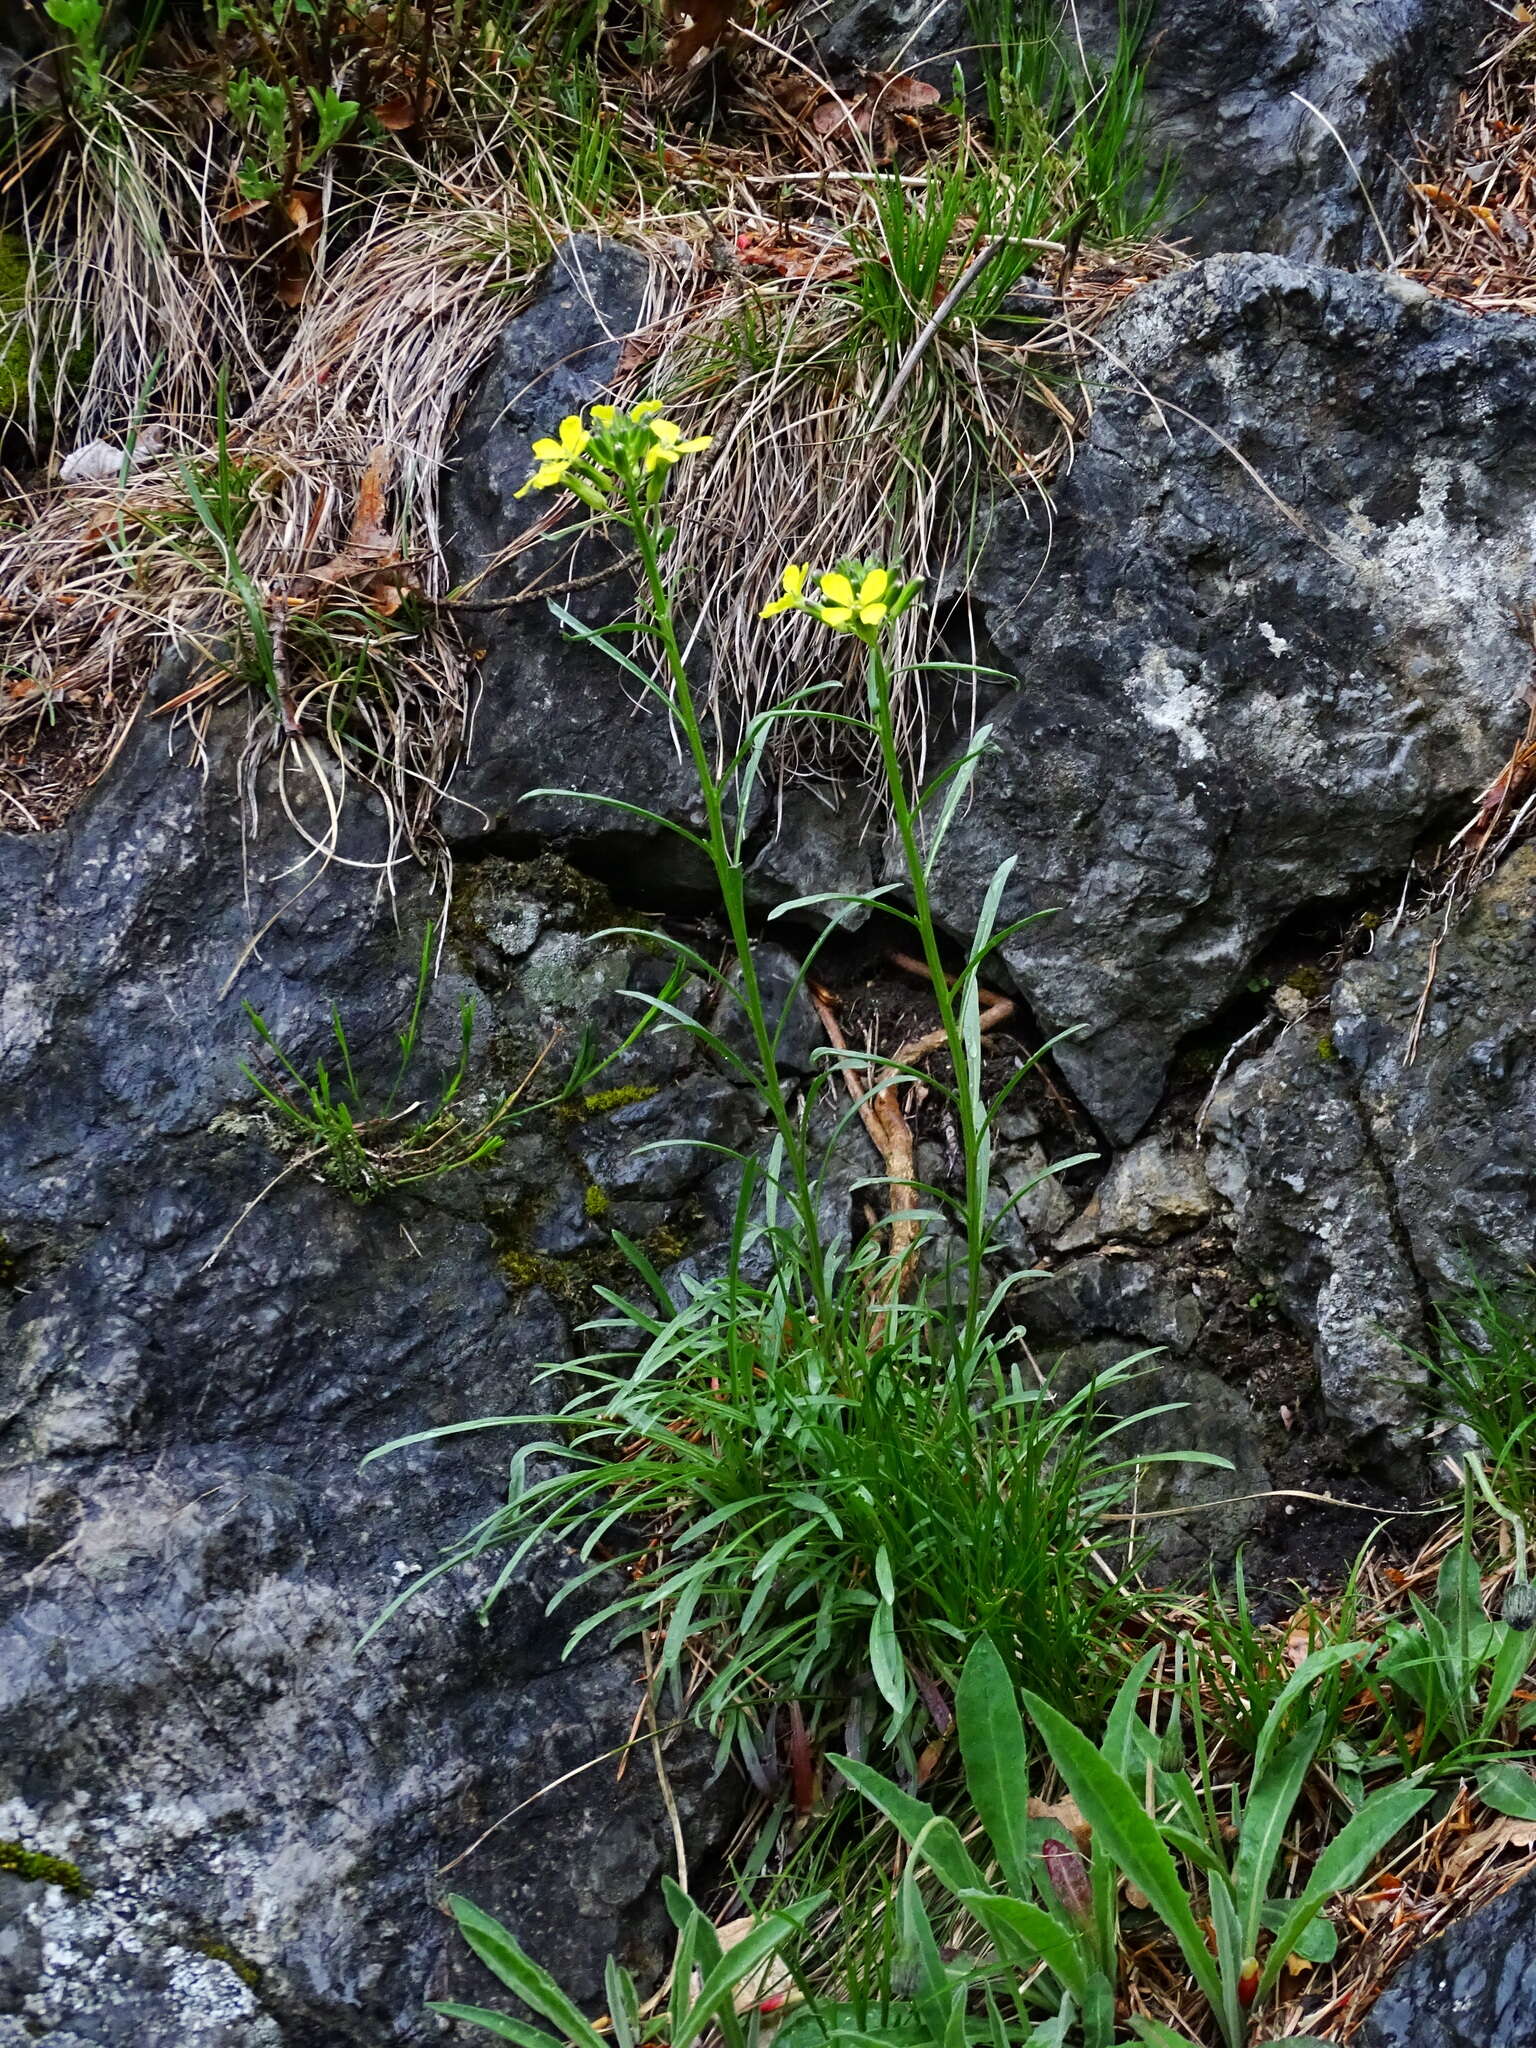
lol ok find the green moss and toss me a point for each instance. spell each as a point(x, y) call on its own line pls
point(665, 1245)
point(595, 1202)
point(36, 1866)
point(1326, 1049)
point(15, 348)
point(573, 1281)
point(604, 1101)
point(1307, 982)
point(222, 1952)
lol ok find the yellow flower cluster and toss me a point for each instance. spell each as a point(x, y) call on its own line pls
point(589, 460)
point(859, 597)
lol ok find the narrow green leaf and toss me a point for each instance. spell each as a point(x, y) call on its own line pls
point(739, 1963)
point(885, 1658)
point(1023, 1934)
point(942, 1847)
point(995, 1751)
point(1265, 1819)
point(494, 2023)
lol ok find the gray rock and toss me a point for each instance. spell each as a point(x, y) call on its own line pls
point(1225, 85)
point(1131, 1298)
point(1316, 1222)
point(1268, 639)
point(1472, 1987)
point(1195, 1513)
point(1257, 170)
point(191, 1553)
point(924, 37)
point(1364, 1184)
point(1154, 1192)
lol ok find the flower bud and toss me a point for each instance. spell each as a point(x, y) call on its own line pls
point(1069, 1880)
point(1248, 1983)
point(1519, 1608)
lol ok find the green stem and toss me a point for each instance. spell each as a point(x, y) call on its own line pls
point(731, 882)
point(968, 1085)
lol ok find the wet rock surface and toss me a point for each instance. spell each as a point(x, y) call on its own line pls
point(1472, 1987)
point(1231, 90)
point(1377, 1158)
point(1266, 645)
point(260, 1810)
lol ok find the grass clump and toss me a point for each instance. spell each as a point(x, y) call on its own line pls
point(366, 1146)
point(1481, 1377)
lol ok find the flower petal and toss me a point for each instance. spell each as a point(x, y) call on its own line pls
point(874, 586)
point(871, 614)
point(646, 409)
point(834, 614)
point(836, 588)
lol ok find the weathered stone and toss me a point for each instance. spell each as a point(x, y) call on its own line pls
point(186, 1393)
point(1227, 82)
point(1472, 1987)
point(1258, 169)
point(1154, 1192)
point(1195, 1513)
point(1128, 1297)
point(1365, 1183)
point(1265, 642)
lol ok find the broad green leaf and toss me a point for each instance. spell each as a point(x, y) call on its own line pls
point(1156, 2035)
point(1023, 1934)
point(1383, 1815)
point(996, 1756)
point(1508, 1789)
point(1122, 1827)
point(1265, 1819)
point(1509, 1667)
point(501, 1954)
point(1318, 1942)
point(1307, 1673)
point(942, 1847)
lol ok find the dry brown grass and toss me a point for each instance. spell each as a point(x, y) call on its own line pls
point(1475, 200)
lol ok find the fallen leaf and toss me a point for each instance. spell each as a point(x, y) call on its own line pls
point(695, 30)
point(1486, 1842)
point(1067, 1814)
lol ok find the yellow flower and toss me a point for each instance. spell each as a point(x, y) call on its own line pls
point(667, 442)
point(556, 457)
point(843, 606)
point(645, 410)
point(605, 415)
point(794, 591)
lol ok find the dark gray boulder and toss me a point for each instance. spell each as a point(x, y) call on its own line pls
point(264, 1814)
point(1266, 642)
point(1226, 93)
point(1369, 1176)
point(1226, 87)
point(1472, 1987)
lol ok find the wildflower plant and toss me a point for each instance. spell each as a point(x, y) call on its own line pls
point(855, 1477)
